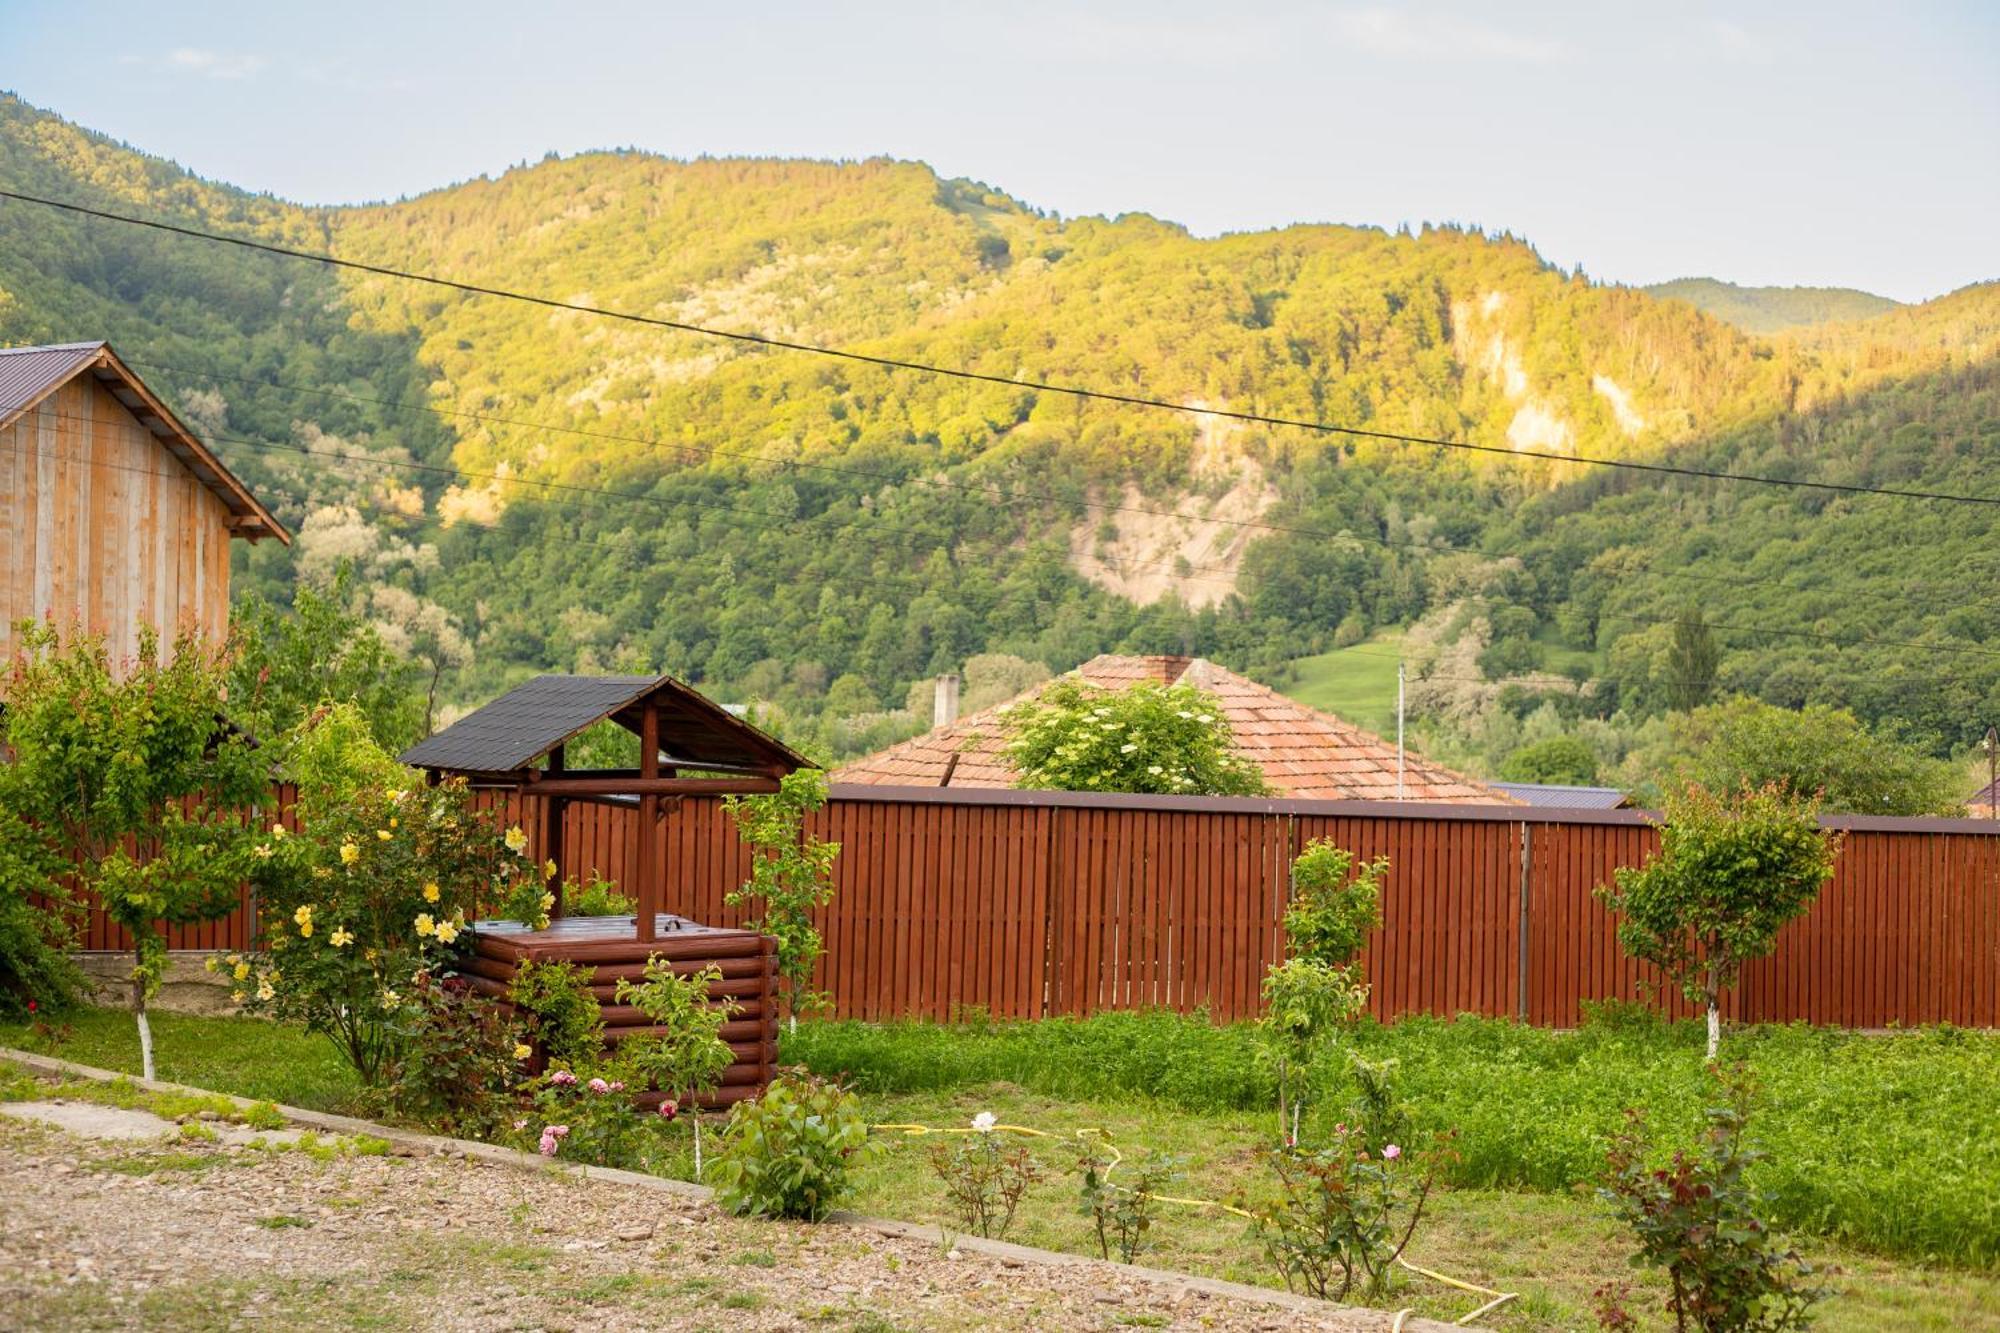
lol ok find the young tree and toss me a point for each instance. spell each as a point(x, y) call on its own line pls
point(1731, 871)
point(1692, 659)
point(791, 874)
point(1163, 739)
point(137, 779)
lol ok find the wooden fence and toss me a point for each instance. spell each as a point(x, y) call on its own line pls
point(1028, 904)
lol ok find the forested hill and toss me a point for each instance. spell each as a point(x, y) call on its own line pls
point(1772, 309)
point(821, 534)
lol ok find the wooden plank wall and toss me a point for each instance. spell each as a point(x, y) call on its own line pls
point(1029, 910)
point(99, 523)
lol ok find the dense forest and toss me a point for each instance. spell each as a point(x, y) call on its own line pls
point(520, 489)
point(1772, 309)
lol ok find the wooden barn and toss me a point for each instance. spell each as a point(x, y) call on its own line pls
point(113, 514)
point(517, 745)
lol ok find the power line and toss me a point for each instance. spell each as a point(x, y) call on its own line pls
point(1038, 386)
point(1004, 494)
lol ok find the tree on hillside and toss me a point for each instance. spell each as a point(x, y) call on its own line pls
point(1731, 871)
point(1692, 659)
point(138, 780)
point(1559, 759)
point(1742, 741)
point(1163, 739)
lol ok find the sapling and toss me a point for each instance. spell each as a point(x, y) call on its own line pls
point(791, 875)
point(684, 1054)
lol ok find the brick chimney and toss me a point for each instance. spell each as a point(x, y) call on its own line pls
point(944, 703)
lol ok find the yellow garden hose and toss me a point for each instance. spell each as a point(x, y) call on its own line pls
point(1499, 1298)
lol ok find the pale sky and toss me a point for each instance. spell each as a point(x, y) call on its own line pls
point(1822, 144)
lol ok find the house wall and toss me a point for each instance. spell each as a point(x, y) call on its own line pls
point(101, 524)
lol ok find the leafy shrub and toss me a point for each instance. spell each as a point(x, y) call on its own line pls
point(563, 1016)
point(375, 888)
point(1166, 739)
point(792, 1152)
point(458, 1061)
point(984, 1180)
point(685, 1054)
point(1342, 1214)
point(591, 1118)
point(791, 876)
point(1697, 1218)
point(37, 925)
point(595, 896)
point(1123, 1211)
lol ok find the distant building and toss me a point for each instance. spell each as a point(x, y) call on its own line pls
point(1301, 751)
point(1980, 804)
point(1561, 797)
point(112, 513)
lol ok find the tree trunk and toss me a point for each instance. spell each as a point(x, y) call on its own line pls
point(1713, 993)
point(696, 1117)
point(145, 1030)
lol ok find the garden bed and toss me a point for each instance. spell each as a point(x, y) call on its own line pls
point(1885, 1139)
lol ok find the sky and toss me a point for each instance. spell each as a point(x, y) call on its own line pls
point(1828, 144)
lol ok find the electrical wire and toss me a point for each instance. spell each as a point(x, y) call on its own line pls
point(1038, 386)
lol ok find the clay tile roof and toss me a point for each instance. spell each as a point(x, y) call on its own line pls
point(1302, 752)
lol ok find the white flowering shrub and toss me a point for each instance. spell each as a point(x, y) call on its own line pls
point(1163, 739)
point(374, 889)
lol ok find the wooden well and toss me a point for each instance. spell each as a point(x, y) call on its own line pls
point(608, 946)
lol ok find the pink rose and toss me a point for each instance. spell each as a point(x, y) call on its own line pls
point(1392, 1152)
point(598, 1085)
point(669, 1109)
point(548, 1144)
point(562, 1078)
point(616, 1086)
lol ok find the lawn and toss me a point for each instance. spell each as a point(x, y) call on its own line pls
point(1356, 684)
point(1883, 1159)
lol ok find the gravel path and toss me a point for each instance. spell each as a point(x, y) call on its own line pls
point(101, 1233)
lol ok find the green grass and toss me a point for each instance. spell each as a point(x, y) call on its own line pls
point(1356, 684)
point(1883, 1153)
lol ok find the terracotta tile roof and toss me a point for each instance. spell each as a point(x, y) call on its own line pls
point(1303, 752)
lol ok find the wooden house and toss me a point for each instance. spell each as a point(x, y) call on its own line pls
point(113, 515)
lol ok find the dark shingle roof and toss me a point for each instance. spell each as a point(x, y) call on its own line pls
point(1562, 797)
point(529, 720)
point(28, 373)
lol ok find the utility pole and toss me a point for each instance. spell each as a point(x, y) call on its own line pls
point(1399, 729)
point(1992, 745)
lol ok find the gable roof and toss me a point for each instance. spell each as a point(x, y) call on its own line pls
point(30, 374)
point(1563, 796)
point(1301, 751)
point(531, 719)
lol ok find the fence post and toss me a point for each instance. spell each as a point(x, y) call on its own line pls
point(1521, 971)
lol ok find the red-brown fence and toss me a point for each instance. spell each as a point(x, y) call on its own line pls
point(1026, 904)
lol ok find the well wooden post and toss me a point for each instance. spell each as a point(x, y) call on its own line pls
point(647, 860)
point(553, 808)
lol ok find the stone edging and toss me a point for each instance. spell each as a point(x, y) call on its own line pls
point(1006, 1251)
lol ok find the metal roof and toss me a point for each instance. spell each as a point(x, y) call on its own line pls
point(1560, 796)
point(531, 719)
point(30, 374)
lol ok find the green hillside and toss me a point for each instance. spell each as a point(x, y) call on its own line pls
point(1772, 309)
point(819, 534)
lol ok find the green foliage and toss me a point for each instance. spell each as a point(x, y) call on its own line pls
point(791, 875)
point(135, 777)
point(1334, 905)
point(592, 1118)
point(1563, 760)
point(1770, 309)
point(1697, 1217)
point(37, 922)
point(596, 896)
point(1170, 739)
point(376, 887)
point(1341, 1214)
point(685, 1054)
point(1742, 742)
point(1318, 989)
point(1123, 1211)
point(984, 1179)
point(458, 1059)
point(1692, 657)
point(324, 651)
point(1731, 872)
point(792, 1152)
point(564, 1017)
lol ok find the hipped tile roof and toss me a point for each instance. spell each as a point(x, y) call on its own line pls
point(1302, 752)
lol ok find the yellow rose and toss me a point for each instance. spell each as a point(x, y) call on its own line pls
point(548, 870)
point(516, 839)
point(236, 997)
point(425, 926)
point(383, 834)
point(305, 930)
point(446, 932)
point(265, 990)
point(392, 821)
point(341, 937)
point(349, 853)
point(522, 1051)
point(242, 971)
point(431, 892)
point(278, 831)
point(213, 963)
point(304, 915)
point(388, 999)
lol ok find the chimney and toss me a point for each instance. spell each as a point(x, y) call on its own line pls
point(944, 704)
